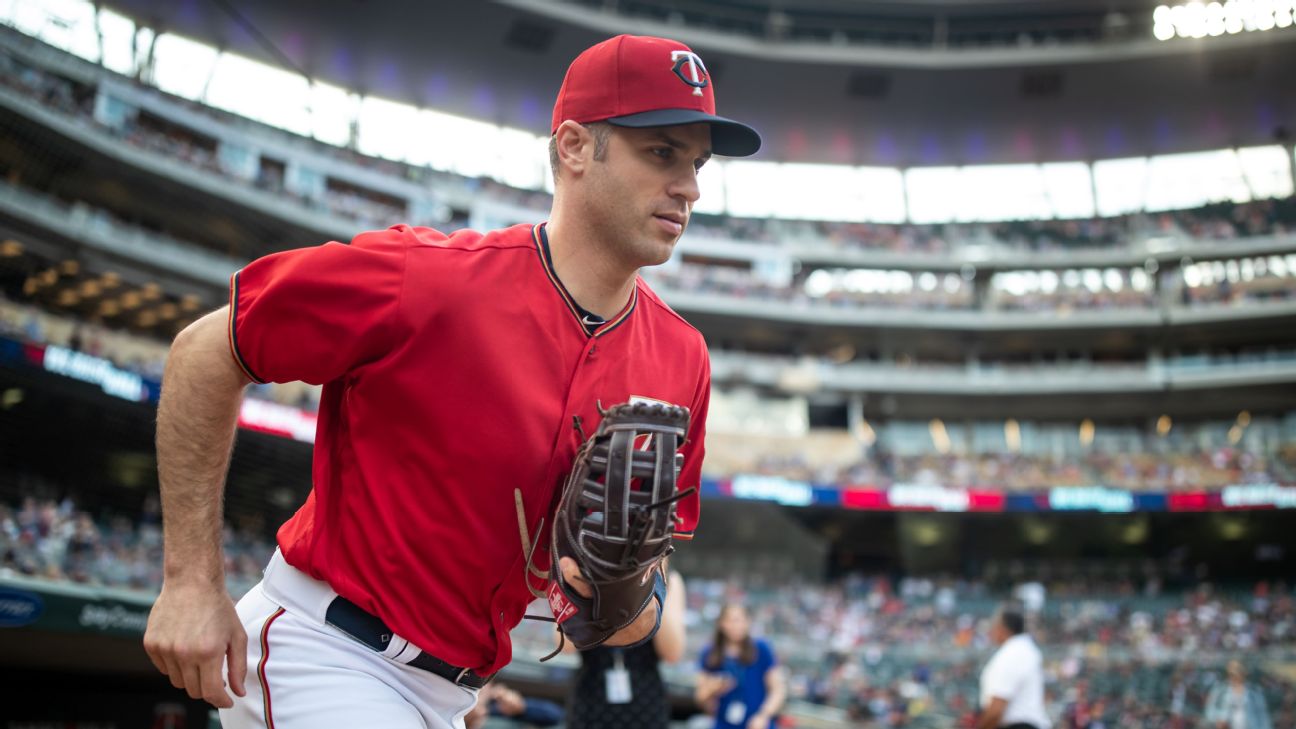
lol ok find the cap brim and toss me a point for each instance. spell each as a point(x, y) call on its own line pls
point(728, 137)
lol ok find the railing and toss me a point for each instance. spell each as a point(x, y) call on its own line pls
point(991, 379)
point(87, 227)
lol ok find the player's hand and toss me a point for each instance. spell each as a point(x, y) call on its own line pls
point(758, 721)
point(192, 630)
point(642, 626)
point(572, 575)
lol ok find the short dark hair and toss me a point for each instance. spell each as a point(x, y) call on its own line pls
point(1012, 618)
point(602, 131)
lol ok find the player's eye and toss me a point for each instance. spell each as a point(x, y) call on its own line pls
point(663, 152)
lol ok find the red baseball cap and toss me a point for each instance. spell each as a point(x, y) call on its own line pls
point(641, 81)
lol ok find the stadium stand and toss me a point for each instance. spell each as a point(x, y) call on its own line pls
point(1138, 357)
point(902, 653)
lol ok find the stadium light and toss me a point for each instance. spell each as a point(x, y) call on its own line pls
point(940, 437)
point(1012, 435)
point(11, 397)
point(865, 434)
point(1199, 20)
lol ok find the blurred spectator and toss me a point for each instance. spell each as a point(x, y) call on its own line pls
point(741, 684)
point(623, 687)
point(1235, 704)
point(1012, 683)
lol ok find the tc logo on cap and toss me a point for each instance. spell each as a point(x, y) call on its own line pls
point(697, 73)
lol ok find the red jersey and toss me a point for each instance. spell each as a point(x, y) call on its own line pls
point(452, 367)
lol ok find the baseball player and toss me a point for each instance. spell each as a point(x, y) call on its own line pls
point(461, 374)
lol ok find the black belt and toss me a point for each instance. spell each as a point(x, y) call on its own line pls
point(368, 629)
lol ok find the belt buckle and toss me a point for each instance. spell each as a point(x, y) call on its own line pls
point(459, 679)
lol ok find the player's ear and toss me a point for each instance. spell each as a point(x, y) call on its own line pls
point(575, 146)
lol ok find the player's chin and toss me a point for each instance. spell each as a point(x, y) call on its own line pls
point(657, 253)
point(657, 246)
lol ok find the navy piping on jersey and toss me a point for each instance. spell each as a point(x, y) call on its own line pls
point(592, 328)
point(233, 331)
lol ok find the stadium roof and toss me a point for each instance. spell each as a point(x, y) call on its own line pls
point(818, 101)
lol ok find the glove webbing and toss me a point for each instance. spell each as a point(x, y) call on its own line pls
point(528, 548)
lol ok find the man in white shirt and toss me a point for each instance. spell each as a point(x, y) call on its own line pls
point(1012, 683)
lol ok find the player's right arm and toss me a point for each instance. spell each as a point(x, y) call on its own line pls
point(193, 626)
point(310, 314)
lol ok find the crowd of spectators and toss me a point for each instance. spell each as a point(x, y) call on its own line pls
point(880, 289)
point(1134, 649)
point(48, 89)
point(1212, 222)
point(1190, 470)
point(1115, 289)
point(143, 356)
point(1112, 289)
point(55, 539)
point(1180, 465)
point(840, 293)
point(1221, 221)
point(166, 141)
point(1117, 654)
point(1262, 289)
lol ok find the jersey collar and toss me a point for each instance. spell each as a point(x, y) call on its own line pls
point(541, 240)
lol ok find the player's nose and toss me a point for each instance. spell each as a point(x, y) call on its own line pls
point(685, 187)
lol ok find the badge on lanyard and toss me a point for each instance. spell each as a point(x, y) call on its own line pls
point(618, 681)
point(736, 713)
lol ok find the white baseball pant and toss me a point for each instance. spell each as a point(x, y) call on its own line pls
point(306, 674)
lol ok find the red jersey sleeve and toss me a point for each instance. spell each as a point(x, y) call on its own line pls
point(313, 314)
point(694, 451)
